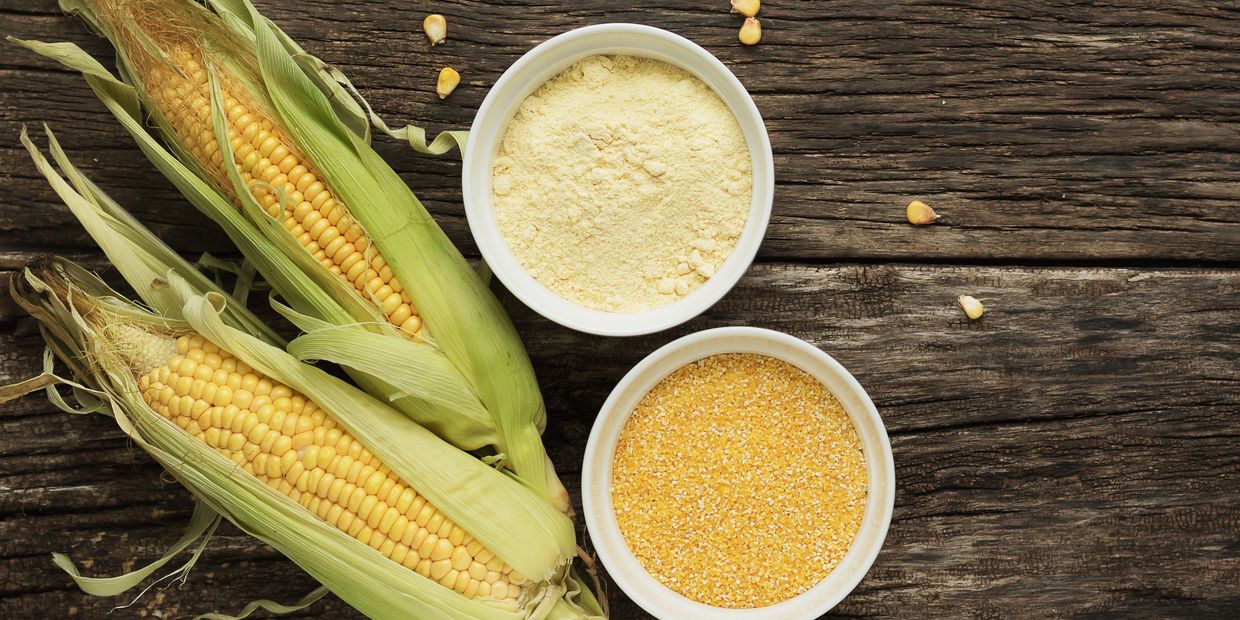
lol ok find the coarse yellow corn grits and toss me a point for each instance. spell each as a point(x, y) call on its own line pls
point(267, 161)
point(287, 442)
point(738, 481)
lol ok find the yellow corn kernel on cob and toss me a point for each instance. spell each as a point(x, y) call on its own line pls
point(293, 446)
point(277, 174)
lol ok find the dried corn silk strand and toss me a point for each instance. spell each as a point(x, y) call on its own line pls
point(739, 481)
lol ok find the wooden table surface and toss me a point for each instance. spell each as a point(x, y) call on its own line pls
point(1073, 453)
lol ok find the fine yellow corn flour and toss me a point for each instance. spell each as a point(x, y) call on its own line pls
point(622, 183)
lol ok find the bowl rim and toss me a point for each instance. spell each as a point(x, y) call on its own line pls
point(551, 56)
point(600, 520)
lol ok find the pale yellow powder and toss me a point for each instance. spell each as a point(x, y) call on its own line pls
point(622, 184)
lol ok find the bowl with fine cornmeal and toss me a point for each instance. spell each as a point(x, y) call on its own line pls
point(618, 179)
point(738, 474)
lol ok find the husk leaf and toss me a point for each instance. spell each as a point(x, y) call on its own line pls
point(492, 362)
point(142, 259)
point(467, 491)
point(457, 483)
point(283, 264)
point(464, 317)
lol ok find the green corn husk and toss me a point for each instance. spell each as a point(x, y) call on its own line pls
point(440, 395)
point(78, 314)
point(472, 348)
point(135, 251)
point(144, 261)
point(463, 427)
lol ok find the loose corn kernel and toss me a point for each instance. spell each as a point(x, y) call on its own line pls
point(436, 28)
point(448, 81)
point(971, 306)
point(751, 31)
point(748, 8)
point(920, 213)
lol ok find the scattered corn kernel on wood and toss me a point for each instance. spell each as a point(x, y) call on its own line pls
point(751, 31)
point(436, 28)
point(971, 306)
point(920, 213)
point(747, 8)
point(448, 81)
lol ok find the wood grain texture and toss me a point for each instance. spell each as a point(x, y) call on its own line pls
point(1047, 131)
point(1071, 454)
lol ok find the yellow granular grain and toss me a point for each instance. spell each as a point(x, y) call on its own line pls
point(739, 481)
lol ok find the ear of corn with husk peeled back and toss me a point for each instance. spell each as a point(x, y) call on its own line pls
point(142, 259)
point(263, 139)
point(389, 517)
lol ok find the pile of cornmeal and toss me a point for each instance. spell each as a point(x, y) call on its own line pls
point(739, 481)
point(622, 184)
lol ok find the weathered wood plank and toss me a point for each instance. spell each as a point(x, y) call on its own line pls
point(1072, 453)
point(1048, 131)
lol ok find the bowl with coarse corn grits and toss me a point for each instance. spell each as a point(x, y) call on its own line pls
point(738, 474)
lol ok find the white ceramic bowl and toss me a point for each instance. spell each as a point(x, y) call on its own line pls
point(624, 567)
point(543, 63)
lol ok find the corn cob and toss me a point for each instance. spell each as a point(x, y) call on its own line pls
point(483, 394)
point(284, 182)
point(290, 444)
point(268, 429)
point(303, 461)
point(143, 260)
